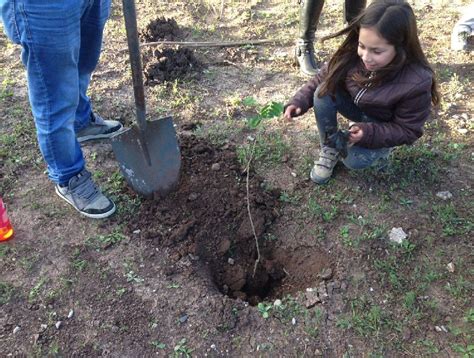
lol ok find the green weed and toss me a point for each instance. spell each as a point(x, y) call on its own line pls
point(181, 349)
point(6, 292)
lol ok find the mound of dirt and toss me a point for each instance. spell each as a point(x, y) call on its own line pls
point(170, 64)
point(161, 29)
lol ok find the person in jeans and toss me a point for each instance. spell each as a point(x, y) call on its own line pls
point(310, 12)
point(379, 79)
point(61, 43)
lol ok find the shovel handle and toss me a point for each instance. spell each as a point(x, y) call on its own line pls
point(130, 16)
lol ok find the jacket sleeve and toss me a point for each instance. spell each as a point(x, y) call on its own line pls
point(304, 96)
point(406, 127)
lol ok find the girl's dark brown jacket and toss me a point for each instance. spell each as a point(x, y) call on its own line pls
point(402, 104)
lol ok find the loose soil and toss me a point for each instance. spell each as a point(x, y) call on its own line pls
point(181, 275)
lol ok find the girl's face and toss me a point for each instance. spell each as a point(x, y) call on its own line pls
point(374, 50)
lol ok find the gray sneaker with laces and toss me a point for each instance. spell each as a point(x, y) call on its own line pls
point(99, 128)
point(322, 170)
point(84, 195)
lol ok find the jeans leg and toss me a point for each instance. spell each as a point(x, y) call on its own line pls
point(49, 32)
point(326, 109)
point(360, 157)
point(92, 27)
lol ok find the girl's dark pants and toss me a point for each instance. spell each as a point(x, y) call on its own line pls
point(325, 111)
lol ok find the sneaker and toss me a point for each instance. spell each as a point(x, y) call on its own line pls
point(83, 194)
point(99, 128)
point(322, 170)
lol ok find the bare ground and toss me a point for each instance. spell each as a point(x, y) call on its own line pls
point(176, 276)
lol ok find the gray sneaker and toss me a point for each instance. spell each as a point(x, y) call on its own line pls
point(322, 170)
point(99, 128)
point(83, 194)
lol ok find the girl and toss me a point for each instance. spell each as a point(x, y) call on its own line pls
point(379, 79)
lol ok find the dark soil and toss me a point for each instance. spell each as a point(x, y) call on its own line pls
point(169, 65)
point(161, 29)
point(207, 219)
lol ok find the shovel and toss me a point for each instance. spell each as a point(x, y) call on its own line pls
point(148, 153)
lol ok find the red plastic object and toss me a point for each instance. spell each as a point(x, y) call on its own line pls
point(6, 229)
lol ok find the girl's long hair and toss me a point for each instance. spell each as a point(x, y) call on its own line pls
point(395, 21)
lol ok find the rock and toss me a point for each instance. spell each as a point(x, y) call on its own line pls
point(216, 167)
point(16, 329)
point(43, 327)
point(450, 267)
point(58, 324)
point(293, 321)
point(397, 235)
point(230, 261)
point(322, 291)
point(70, 314)
point(224, 245)
point(183, 318)
point(406, 334)
point(193, 196)
point(445, 195)
point(277, 303)
point(325, 274)
point(311, 298)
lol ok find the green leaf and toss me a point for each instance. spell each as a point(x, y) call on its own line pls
point(249, 102)
point(272, 109)
point(254, 122)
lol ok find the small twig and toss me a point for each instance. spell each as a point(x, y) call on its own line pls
point(222, 9)
point(208, 43)
point(248, 209)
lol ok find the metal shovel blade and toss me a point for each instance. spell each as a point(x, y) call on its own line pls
point(153, 167)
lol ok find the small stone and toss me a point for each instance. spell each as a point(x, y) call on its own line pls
point(193, 196)
point(230, 261)
point(322, 291)
point(450, 267)
point(16, 330)
point(43, 327)
point(216, 167)
point(311, 298)
point(293, 321)
point(58, 324)
point(70, 314)
point(438, 329)
point(406, 334)
point(397, 235)
point(326, 274)
point(444, 195)
point(444, 329)
point(183, 318)
point(277, 303)
point(293, 174)
point(136, 232)
point(463, 130)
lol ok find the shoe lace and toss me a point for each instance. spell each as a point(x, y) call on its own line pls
point(328, 157)
point(87, 191)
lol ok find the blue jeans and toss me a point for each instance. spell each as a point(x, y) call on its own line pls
point(325, 111)
point(61, 42)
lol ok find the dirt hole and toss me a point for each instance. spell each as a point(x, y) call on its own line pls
point(207, 218)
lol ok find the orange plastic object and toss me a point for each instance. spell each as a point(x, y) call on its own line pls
point(6, 229)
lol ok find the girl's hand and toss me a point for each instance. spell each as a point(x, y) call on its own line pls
point(356, 134)
point(291, 112)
